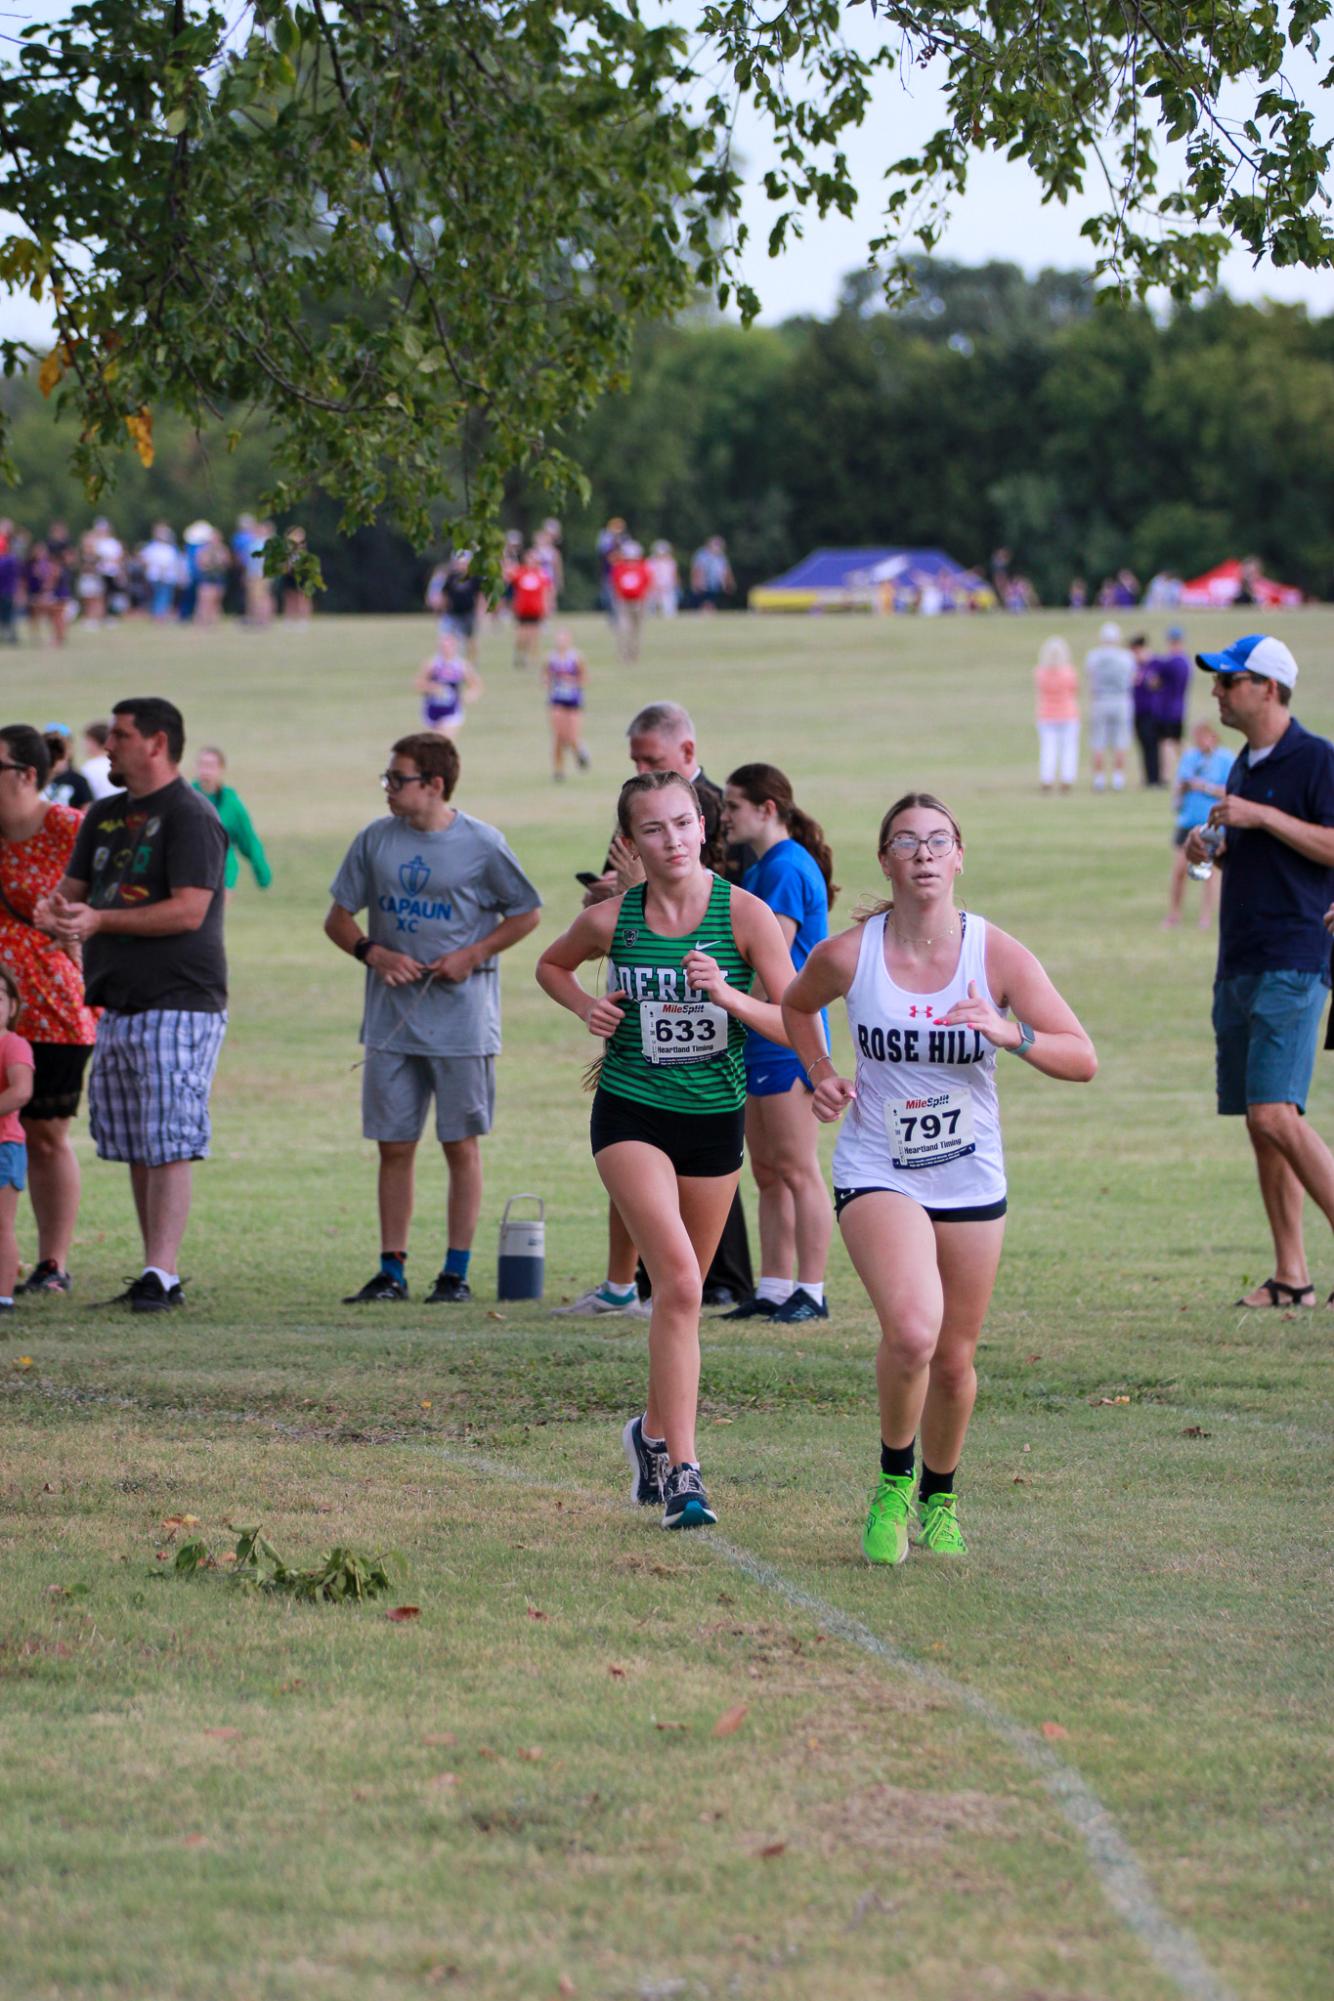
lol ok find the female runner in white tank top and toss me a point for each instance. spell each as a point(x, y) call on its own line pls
point(919, 1174)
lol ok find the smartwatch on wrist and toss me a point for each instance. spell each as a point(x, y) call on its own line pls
point(361, 950)
point(1026, 1039)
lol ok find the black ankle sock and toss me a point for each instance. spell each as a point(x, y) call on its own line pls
point(896, 1458)
point(935, 1483)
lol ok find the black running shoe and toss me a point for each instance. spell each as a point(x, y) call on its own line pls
point(649, 1467)
point(379, 1287)
point(46, 1277)
point(799, 1306)
point(685, 1505)
point(147, 1294)
point(449, 1290)
point(753, 1308)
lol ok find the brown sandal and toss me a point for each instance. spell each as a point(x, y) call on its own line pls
point(1292, 1295)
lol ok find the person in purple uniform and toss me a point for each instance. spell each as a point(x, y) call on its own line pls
point(1173, 672)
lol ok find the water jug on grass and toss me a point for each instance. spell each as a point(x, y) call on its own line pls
point(522, 1252)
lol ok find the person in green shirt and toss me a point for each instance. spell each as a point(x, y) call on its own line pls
point(242, 840)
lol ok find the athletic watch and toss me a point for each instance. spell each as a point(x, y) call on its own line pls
point(1026, 1039)
point(361, 951)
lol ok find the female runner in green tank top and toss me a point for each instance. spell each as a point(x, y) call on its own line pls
point(669, 1115)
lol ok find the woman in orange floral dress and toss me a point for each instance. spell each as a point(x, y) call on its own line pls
point(36, 839)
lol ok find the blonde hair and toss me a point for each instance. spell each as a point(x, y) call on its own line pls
point(1054, 653)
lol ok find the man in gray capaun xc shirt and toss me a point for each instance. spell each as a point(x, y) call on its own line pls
point(444, 896)
point(1109, 668)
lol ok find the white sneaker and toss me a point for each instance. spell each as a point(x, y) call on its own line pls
point(591, 1305)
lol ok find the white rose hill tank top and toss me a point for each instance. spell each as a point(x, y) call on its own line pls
point(926, 1120)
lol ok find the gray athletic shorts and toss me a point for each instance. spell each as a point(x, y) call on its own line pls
point(396, 1090)
point(1110, 725)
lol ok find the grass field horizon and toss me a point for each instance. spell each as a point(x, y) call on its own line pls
point(520, 1792)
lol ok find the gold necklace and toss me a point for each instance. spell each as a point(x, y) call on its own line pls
point(900, 938)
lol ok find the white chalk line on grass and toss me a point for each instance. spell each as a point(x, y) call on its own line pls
point(1118, 1870)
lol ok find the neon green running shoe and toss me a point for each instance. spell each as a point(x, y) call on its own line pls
point(940, 1531)
point(885, 1537)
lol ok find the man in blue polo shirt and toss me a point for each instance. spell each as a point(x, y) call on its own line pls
point(1273, 950)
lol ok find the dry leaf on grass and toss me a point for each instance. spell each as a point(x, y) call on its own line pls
point(731, 1720)
point(443, 1781)
point(1054, 1731)
point(533, 1613)
point(669, 1726)
point(1196, 1431)
point(194, 1841)
point(491, 1314)
point(771, 1849)
point(426, 1403)
point(398, 1615)
point(532, 1755)
point(224, 1733)
point(616, 1673)
point(440, 1737)
point(22, 1361)
point(1109, 1402)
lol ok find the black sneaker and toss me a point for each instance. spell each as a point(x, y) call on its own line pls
point(449, 1290)
point(685, 1505)
point(753, 1308)
point(147, 1294)
point(382, 1286)
point(46, 1277)
point(800, 1306)
point(649, 1467)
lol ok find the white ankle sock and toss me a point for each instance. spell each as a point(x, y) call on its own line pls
point(775, 1290)
point(813, 1289)
point(169, 1278)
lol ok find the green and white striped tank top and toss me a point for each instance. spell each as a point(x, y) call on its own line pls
point(675, 1047)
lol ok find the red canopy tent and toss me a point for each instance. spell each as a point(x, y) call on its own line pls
point(1221, 586)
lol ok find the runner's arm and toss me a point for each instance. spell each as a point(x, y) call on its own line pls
point(825, 977)
point(1060, 1048)
point(764, 948)
point(589, 937)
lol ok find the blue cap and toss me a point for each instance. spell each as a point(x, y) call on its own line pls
point(57, 729)
point(1258, 654)
point(1175, 632)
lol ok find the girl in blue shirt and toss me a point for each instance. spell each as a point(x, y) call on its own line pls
point(1201, 778)
point(793, 875)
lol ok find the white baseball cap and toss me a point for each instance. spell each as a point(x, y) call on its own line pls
point(1258, 654)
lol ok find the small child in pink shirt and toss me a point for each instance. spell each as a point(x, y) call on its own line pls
point(15, 1091)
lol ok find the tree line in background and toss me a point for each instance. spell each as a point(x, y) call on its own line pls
point(991, 410)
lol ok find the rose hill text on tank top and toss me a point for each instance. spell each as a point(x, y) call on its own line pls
point(926, 1119)
point(675, 1048)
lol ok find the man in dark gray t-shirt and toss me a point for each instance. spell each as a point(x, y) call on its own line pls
point(143, 898)
point(444, 897)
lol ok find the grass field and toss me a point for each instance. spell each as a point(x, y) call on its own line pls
point(1089, 1763)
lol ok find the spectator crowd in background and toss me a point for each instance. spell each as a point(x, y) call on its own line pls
point(97, 578)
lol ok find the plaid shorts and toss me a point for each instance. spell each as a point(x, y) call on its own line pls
point(151, 1076)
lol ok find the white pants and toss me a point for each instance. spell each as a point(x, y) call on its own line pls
point(1058, 752)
